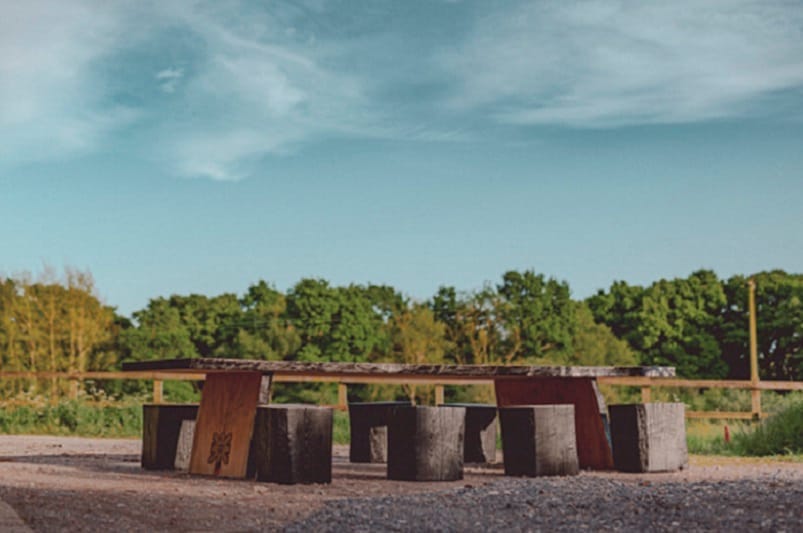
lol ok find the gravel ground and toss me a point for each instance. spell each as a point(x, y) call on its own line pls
point(69, 484)
point(570, 504)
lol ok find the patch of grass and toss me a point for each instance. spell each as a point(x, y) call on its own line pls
point(707, 437)
point(341, 428)
point(75, 418)
point(729, 460)
point(779, 435)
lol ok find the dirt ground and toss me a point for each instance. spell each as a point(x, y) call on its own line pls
point(78, 484)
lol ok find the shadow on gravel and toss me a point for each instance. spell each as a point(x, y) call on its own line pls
point(117, 463)
point(134, 511)
point(129, 464)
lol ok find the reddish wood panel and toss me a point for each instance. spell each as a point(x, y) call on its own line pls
point(593, 450)
point(225, 424)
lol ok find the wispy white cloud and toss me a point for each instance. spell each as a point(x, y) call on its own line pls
point(169, 78)
point(261, 90)
point(610, 63)
point(246, 82)
point(50, 102)
point(256, 87)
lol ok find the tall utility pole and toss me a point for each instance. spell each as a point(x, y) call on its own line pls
point(755, 392)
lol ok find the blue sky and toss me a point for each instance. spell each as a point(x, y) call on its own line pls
point(178, 147)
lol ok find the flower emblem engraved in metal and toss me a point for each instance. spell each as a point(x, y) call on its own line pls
point(220, 450)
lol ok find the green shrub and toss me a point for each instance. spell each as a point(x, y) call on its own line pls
point(181, 392)
point(74, 417)
point(780, 434)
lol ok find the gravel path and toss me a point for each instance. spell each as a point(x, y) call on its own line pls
point(590, 502)
point(70, 484)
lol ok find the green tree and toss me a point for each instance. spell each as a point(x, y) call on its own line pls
point(536, 314)
point(338, 323)
point(418, 339)
point(679, 322)
point(160, 334)
point(359, 330)
point(672, 322)
point(54, 323)
point(262, 330)
point(444, 307)
point(779, 303)
point(311, 308)
point(204, 317)
point(619, 309)
point(595, 344)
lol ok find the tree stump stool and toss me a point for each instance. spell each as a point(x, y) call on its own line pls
point(292, 444)
point(369, 431)
point(479, 442)
point(539, 440)
point(161, 424)
point(649, 437)
point(426, 443)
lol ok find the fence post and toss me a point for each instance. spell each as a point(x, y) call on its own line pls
point(439, 395)
point(646, 394)
point(755, 403)
point(73, 388)
point(157, 391)
point(342, 396)
point(755, 392)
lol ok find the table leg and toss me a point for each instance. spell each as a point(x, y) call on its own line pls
point(225, 424)
point(593, 449)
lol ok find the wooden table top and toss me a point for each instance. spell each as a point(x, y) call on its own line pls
point(345, 370)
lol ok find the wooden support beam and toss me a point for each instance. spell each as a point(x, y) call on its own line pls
point(646, 394)
point(755, 403)
point(439, 395)
point(342, 397)
point(225, 424)
point(158, 391)
point(723, 415)
point(755, 392)
point(74, 389)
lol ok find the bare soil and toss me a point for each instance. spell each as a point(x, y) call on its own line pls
point(78, 484)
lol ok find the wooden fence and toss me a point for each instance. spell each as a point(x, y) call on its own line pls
point(646, 385)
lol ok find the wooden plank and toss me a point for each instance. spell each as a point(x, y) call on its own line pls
point(158, 391)
point(755, 403)
point(211, 364)
point(225, 424)
point(439, 396)
point(74, 386)
point(636, 381)
point(646, 394)
point(381, 380)
point(188, 375)
point(342, 396)
point(593, 449)
point(725, 415)
point(640, 381)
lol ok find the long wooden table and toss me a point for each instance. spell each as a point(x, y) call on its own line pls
point(231, 394)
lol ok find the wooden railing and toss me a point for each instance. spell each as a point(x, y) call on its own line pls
point(646, 385)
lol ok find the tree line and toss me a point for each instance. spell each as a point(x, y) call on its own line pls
point(699, 324)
